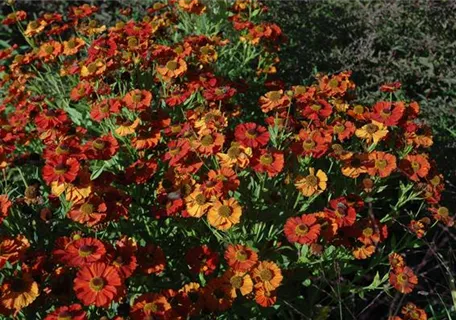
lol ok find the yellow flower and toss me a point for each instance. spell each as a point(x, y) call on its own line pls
point(374, 131)
point(313, 183)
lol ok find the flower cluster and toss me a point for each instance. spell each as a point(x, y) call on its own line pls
point(152, 171)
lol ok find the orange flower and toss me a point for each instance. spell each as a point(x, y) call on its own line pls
point(396, 261)
point(239, 281)
point(127, 127)
point(267, 275)
point(12, 249)
point(98, 284)
point(415, 166)
point(274, 100)
point(312, 183)
point(172, 69)
point(355, 165)
point(383, 164)
point(93, 69)
point(304, 229)
point(138, 100)
point(84, 251)
point(150, 306)
point(236, 156)
point(372, 132)
point(224, 214)
point(18, 293)
point(412, 312)
point(35, 27)
point(363, 252)
point(240, 258)
point(197, 204)
point(265, 298)
point(192, 6)
point(268, 161)
point(72, 46)
point(209, 143)
point(50, 50)
point(403, 279)
point(5, 205)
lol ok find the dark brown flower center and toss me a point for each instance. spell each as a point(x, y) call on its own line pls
point(301, 229)
point(312, 180)
point(224, 211)
point(85, 251)
point(266, 275)
point(96, 284)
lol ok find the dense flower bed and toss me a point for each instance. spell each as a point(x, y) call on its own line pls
point(156, 169)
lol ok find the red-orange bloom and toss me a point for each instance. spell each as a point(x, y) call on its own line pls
point(60, 169)
point(403, 279)
point(265, 298)
point(98, 284)
point(240, 258)
point(267, 275)
point(72, 312)
point(202, 259)
point(271, 162)
point(382, 164)
point(84, 251)
point(251, 135)
point(304, 229)
point(388, 113)
point(274, 100)
point(415, 166)
point(102, 148)
point(150, 306)
point(5, 205)
point(138, 100)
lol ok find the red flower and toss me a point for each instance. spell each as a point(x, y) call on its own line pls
point(60, 169)
point(103, 148)
point(72, 312)
point(91, 211)
point(240, 258)
point(217, 94)
point(177, 150)
point(51, 118)
point(317, 110)
point(141, 171)
point(342, 212)
point(124, 258)
point(304, 229)
point(388, 113)
point(150, 306)
point(98, 284)
point(343, 129)
point(415, 166)
point(151, 259)
point(403, 279)
point(313, 143)
point(201, 259)
point(103, 109)
point(251, 135)
point(268, 161)
point(5, 205)
point(83, 251)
